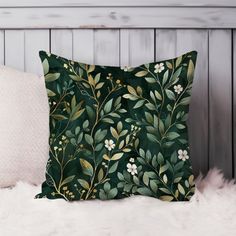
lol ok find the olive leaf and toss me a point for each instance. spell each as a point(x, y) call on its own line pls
point(87, 168)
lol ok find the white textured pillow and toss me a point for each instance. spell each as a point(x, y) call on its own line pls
point(24, 127)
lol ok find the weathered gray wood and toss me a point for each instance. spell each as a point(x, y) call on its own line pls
point(188, 40)
point(22, 48)
point(61, 43)
point(106, 47)
point(137, 46)
point(234, 103)
point(166, 42)
point(118, 17)
point(83, 45)
point(64, 3)
point(35, 40)
point(220, 100)
point(15, 49)
point(2, 45)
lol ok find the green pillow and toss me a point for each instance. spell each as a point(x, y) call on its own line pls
point(117, 132)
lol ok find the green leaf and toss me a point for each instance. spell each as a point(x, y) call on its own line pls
point(67, 180)
point(108, 105)
point(176, 74)
point(52, 77)
point(170, 94)
point(77, 114)
point(108, 120)
point(117, 156)
point(45, 66)
point(144, 191)
point(98, 86)
point(100, 135)
point(112, 193)
point(173, 157)
point(85, 124)
point(165, 179)
point(139, 104)
point(75, 77)
point(149, 117)
point(77, 130)
point(131, 90)
point(150, 80)
point(166, 198)
point(58, 117)
point(153, 186)
point(169, 65)
point(114, 133)
point(97, 78)
point(146, 178)
point(185, 101)
point(87, 167)
point(100, 175)
point(172, 135)
point(163, 169)
point(88, 139)
point(158, 95)
point(119, 126)
point(165, 77)
point(181, 189)
point(120, 176)
point(151, 137)
point(141, 73)
point(84, 183)
point(180, 126)
point(91, 68)
point(178, 61)
point(160, 159)
point(161, 126)
point(165, 190)
point(50, 93)
point(190, 70)
point(73, 102)
point(130, 97)
point(107, 187)
point(113, 167)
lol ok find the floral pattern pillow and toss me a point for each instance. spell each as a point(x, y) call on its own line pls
point(116, 132)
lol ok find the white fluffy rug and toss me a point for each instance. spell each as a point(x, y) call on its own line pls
point(212, 211)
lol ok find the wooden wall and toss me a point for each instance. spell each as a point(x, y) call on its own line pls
point(110, 34)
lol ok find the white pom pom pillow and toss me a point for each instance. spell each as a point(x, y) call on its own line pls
point(23, 127)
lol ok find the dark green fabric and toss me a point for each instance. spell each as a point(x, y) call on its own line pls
point(116, 132)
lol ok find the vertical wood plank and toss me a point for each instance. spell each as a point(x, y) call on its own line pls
point(2, 45)
point(15, 49)
point(234, 103)
point(62, 43)
point(106, 47)
point(35, 40)
point(166, 40)
point(83, 45)
point(188, 40)
point(137, 46)
point(220, 98)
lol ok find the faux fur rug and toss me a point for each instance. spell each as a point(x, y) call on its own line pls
point(212, 211)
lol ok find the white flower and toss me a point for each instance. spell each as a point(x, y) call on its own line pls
point(132, 168)
point(159, 68)
point(183, 155)
point(65, 65)
point(55, 148)
point(178, 88)
point(109, 144)
point(131, 159)
point(125, 68)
